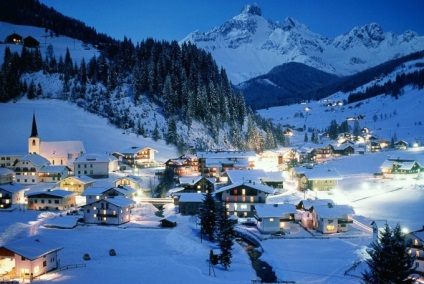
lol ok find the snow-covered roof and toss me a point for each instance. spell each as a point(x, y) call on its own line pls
point(218, 162)
point(120, 201)
point(53, 193)
point(274, 210)
point(61, 148)
point(308, 203)
point(35, 159)
point(133, 178)
point(33, 247)
point(133, 150)
point(403, 164)
point(418, 234)
point(53, 169)
point(191, 197)
point(318, 173)
point(83, 179)
point(246, 175)
point(274, 177)
point(13, 187)
point(6, 171)
point(254, 185)
point(125, 189)
point(189, 180)
point(226, 154)
point(334, 211)
point(95, 158)
point(93, 191)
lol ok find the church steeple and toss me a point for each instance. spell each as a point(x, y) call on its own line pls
point(34, 132)
point(34, 141)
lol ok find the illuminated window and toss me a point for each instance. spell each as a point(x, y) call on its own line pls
point(94, 215)
point(227, 199)
point(243, 191)
point(245, 214)
point(243, 198)
point(97, 197)
point(227, 206)
point(114, 212)
point(235, 191)
point(235, 198)
point(104, 218)
point(330, 227)
point(271, 219)
point(252, 199)
point(94, 208)
point(243, 206)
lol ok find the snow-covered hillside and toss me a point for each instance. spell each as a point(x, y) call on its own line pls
point(249, 45)
point(386, 116)
point(77, 48)
point(61, 121)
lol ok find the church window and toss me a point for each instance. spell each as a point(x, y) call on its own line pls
point(61, 162)
point(33, 142)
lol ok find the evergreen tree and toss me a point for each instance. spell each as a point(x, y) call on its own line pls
point(225, 236)
point(306, 138)
point(356, 129)
point(390, 261)
point(208, 217)
point(156, 134)
point(172, 135)
point(333, 129)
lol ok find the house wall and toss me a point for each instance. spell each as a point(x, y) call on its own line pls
point(74, 185)
point(27, 173)
point(7, 199)
point(24, 267)
point(241, 204)
point(102, 212)
point(53, 177)
point(91, 169)
point(51, 203)
point(269, 225)
point(322, 184)
point(327, 225)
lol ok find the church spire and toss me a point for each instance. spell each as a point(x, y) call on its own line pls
point(34, 132)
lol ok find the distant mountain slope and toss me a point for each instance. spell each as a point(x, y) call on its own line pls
point(292, 83)
point(284, 84)
point(248, 45)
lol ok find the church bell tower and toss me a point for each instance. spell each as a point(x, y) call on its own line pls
point(34, 141)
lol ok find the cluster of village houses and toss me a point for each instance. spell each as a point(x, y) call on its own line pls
point(64, 172)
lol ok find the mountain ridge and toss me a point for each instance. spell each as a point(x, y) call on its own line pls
point(249, 45)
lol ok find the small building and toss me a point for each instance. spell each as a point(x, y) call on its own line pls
point(57, 199)
point(109, 211)
point(242, 197)
point(77, 183)
point(416, 250)
point(14, 38)
point(189, 203)
point(401, 168)
point(29, 257)
point(9, 160)
point(31, 42)
point(136, 183)
point(53, 173)
point(332, 218)
point(401, 145)
point(272, 218)
point(185, 165)
point(95, 165)
point(28, 168)
point(97, 193)
point(168, 222)
point(6, 176)
point(342, 150)
point(197, 184)
point(316, 179)
point(136, 156)
point(12, 194)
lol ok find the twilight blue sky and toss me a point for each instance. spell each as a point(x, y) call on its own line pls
point(175, 19)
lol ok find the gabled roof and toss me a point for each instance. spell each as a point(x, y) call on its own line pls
point(82, 178)
point(13, 187)
point(219, 162)
point(33, 247)
point(53, 193)
point(94, 191)
point(334, 211)
point(54, 169)
point(254, 185)
point(404, 164)
point(94, 158)
point(132, 178)
point(318, 173)
point(124, 189)
point(308, 203)
point(133, 150)
point(274, 210)
point(119, 201)
point(6, 171)
point(61, 148)
point(191, 197)
point(246, 175)
point(226, 154)
point(35, 159)
point(418, 234)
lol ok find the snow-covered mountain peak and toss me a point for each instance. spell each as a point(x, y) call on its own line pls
point(290, 23)
point(253, 9)
point(249, 45)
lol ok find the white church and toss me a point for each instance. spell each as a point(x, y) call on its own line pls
point(57, 152)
